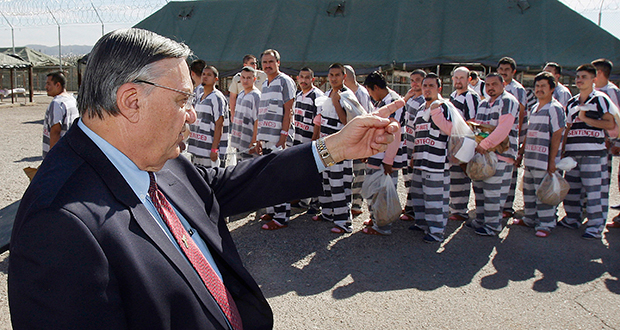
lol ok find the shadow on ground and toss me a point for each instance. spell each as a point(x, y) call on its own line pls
point(307, 259)
point(30, 159)
point(35, 122)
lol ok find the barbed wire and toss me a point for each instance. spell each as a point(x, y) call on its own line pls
point(585, 6)
point(23, 13)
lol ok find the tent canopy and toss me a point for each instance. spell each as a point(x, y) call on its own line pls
point(36, 58)
point(369, 34)
point(10, 62)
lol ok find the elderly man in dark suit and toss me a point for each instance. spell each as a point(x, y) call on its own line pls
point(118, 232)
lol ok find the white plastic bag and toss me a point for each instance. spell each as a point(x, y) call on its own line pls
point(552, 190)
point(231, 156)
point(566, 164)
point(462, 143)
point(380, 190)
point(482, 166)
point(327, 107)
point(351, 105)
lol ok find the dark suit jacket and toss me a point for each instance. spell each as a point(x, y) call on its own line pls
point(86, 254)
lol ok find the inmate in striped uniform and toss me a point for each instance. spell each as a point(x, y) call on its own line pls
point(542, 123)
point(271, 108)
point(430, 180)
point(479, 89)
point(209, 110)
point(586, 144)
point(397, 158)
point(337, 179)
point(242, 128)
point(270, 116)
point(62, 110)
point(305, 110)
point(460, 184)
point(359, 167)
point(517, 90)
point(491, 193)
point(562, 94)
point(612, 91)
point(411, 109)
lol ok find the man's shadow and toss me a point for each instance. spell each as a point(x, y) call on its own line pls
point(307, 259)
point(562, 257)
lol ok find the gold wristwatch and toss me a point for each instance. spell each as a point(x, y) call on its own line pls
point(326, 157)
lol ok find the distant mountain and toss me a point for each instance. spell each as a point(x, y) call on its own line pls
point(66, 50)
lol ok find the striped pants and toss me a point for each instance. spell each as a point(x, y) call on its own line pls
point(460, 187)
point(539, 215)
point(431, 196)
point(510, 198)
point(592, 176)
point(336, 199)
point(407, 177)
point(490, 196)
point(280, 213)
point(387, 229)
point(359, 172)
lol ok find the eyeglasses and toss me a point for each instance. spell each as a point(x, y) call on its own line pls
point(190, 96)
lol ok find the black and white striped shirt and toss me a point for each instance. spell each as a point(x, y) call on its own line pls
point(613, 92)
point(504, 104)
point(542, 123)
point(562, 94)
point(400, 159)
point(583, 139)
point(411, 108)
point(305, 110)
point(246, 113)
point(271, 108)
point(62, 110)
point(431, 144)
point(208, 111)
point(330, 123)
point(466, 103)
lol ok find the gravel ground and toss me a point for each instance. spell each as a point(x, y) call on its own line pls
point(317, 280)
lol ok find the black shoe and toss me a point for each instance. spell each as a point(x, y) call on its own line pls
point(615, 207)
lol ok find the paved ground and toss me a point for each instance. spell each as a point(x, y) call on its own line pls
point(317, 280)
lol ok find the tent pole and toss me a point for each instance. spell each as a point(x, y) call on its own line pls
point(12, 86)
point(30, 83)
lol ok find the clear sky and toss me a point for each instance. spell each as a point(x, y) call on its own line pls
point(88, 34)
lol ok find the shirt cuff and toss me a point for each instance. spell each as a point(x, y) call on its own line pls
point(317, 158)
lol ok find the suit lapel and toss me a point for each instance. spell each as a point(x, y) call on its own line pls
point(121, 190)
point(187, 201)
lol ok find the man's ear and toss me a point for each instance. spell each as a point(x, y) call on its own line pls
point(127, 102)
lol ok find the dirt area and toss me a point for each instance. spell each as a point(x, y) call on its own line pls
point(314, 279)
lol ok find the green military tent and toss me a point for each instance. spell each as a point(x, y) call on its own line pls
point(10, 62)
point(391, 33)
point(36, 58)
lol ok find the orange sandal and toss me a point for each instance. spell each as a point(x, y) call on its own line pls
point(273, 225)
point(371, 231)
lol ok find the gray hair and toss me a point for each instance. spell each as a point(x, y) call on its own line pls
point(461, 69)
point(120, 57)
point(349, 70)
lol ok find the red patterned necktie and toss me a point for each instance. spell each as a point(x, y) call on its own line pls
point(194, 255)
